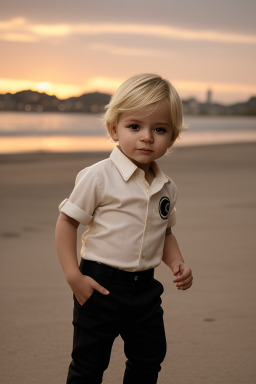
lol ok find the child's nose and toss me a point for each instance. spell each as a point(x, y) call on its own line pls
point(147, 136)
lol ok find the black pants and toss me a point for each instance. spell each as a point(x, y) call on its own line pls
point(132, 310)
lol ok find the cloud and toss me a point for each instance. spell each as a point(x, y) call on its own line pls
point(165, 32)
point(16, 30)
point(228, 15)
point(12, 24)
point(20, 29)
point(127, 51)
point(52, 30)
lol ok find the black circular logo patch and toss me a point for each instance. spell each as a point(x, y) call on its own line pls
point(164, 207)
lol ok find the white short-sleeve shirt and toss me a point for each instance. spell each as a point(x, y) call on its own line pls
point(126, 218)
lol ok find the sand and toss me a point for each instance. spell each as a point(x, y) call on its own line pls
point(210, 328)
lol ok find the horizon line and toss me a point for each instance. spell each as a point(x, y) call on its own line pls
point(110, 94)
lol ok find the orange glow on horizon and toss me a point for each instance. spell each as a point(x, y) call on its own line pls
point(44, 86)
point(110, 84)
point(60, 90)
point(55, 144)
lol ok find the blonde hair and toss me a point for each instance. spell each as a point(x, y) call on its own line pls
point(139, 92)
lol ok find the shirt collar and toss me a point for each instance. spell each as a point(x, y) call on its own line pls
point(160, 177)
point(124, 165)
point(127, 168)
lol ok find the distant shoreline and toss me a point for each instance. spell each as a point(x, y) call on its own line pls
point(32, 101)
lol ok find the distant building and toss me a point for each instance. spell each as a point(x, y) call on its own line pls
point(209, 96)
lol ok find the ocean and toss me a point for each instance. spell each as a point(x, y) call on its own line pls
point(22, 132)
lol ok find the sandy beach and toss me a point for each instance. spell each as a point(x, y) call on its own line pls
point(210, 329)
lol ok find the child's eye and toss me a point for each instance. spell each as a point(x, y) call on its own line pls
point(133, 127)
point(160, 130)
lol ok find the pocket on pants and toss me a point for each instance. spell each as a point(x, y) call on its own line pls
point(86, 303)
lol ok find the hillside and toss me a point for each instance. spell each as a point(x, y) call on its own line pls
point(94, 103)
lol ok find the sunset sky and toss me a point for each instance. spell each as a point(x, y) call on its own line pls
point(68, 48)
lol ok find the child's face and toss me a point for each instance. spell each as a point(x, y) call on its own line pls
point(144, 136)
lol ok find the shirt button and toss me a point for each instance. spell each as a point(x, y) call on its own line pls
point(136, 278)
point(148, 220)
point(143, 255)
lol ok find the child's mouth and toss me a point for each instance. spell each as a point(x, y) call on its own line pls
point(145, 150)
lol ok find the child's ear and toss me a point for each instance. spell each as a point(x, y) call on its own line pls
point(113, 131)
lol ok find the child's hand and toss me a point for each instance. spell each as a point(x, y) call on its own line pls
point(183, 276)
point(83, 287)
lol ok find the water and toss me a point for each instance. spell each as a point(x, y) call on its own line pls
point(26, 132)
point(50, 124)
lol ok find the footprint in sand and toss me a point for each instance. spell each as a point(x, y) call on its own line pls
point(10, 234)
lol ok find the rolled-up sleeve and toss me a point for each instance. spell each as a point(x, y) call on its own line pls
point(84, 198)
point(75, 212)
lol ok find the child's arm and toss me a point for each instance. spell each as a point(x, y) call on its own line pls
point(173, 258)
point(66, 238)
